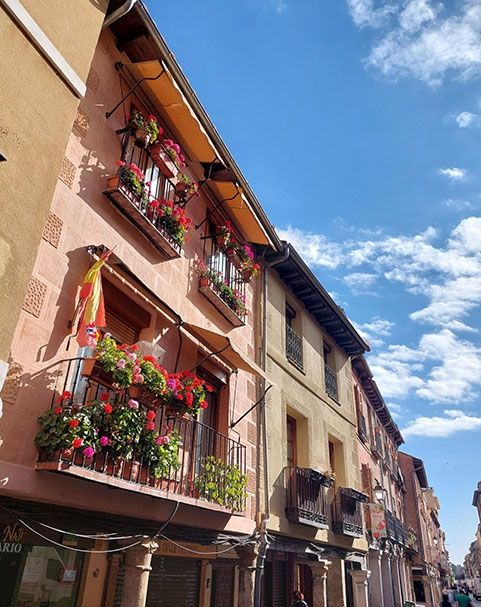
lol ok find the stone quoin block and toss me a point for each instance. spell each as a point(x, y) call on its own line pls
point(81, 123)
point(53, 230)
point(35, 297)
point(67, 172)
point(93, 81)
point(251, 433)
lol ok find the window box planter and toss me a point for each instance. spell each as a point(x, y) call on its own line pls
point(145, 396)
point(131, 206)
point(166, 165)
point(209, 291)
point(233, 255)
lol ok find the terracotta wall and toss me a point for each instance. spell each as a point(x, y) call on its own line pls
point(80, 215)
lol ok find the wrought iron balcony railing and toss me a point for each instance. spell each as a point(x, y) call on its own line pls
point(224, 287)
point(294, 347)
point(330, 379)
point(347, 512)
point(207, 458)
point(391, 526)
point(306, 496)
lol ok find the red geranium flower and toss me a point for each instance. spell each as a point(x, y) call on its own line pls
point(108, 408)
point(64, 396)
point(150, 426)
point(77, 442)
point(73, 423)
point(58, 410)
point(150, 415)
point(104, 396)
point(204, 404)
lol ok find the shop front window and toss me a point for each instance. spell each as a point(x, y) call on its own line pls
point(39, 576)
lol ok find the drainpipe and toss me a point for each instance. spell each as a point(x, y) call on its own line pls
point(117, 14)
point(263, 517)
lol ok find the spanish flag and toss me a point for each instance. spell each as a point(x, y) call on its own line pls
point(91, 305)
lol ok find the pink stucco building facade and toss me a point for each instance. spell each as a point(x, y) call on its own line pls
point(153, 297)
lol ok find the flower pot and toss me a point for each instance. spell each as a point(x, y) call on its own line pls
point(222, 241)
point(233, 256)
point(142, 138)
point(145, 396)
point(113, 182)
point(88, 366)
point(115, 467)
point(93, 370)
point(246, 274)
point(166, 165)
point(181, 190)
point(203, 281)
point(131, 471)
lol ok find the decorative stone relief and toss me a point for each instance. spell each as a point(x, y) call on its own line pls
point(52, 230)
point(35, 297)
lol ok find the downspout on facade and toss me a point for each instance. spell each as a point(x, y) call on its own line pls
point(263, 517)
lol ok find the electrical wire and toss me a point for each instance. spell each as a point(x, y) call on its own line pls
point(204, 553)
point(84, 550)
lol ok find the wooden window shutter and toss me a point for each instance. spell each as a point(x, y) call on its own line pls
point(125, 319)
point(366, 480)
point(120, 328)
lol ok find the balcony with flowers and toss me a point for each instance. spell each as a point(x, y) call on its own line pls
point(226, 272)
point(150, 187)
point(122, 419)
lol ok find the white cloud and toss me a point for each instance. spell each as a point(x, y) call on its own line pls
point(419, 38)
point(316, 249)
point(417, 13)
point(452, 422)
point(370, 12)
point(453, 173)
point(466, 120)
point(441, 367)
point(397, 411)
point(457, 204)
point(359, 282)
point(375, 330)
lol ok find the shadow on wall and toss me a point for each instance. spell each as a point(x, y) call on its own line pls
point(78, 264)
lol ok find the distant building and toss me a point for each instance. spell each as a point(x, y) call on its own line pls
point(421, 512)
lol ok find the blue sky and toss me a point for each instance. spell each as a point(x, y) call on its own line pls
point(358, 125)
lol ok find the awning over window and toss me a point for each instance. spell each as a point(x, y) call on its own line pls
point(192, 136)
point(224, 348)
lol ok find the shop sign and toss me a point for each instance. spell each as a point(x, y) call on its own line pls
point(378, 521)
point(12, 538)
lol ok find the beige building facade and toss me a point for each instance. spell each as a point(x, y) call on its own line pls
point(47, 49)
point(391, 541)
point(313, 504)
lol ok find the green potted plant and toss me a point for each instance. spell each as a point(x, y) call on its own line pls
point(173, 219)
point(186, 393)
point(185, 186)
point(153, 384)
point(223, 235)
point(145, 129)
point(160, 454)
point(221, 483)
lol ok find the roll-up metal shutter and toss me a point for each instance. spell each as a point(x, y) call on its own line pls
point(173, 582)
point(279, 584)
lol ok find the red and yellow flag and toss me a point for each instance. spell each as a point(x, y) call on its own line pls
point(91, 305)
